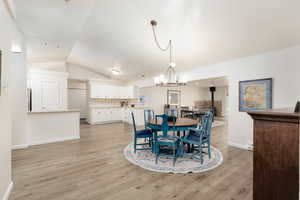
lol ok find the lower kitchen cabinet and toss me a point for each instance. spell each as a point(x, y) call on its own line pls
point(104, 115)
point(108, 115)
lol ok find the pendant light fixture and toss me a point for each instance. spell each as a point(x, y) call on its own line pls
point(169, 79)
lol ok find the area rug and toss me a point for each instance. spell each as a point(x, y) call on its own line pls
point(146, 160)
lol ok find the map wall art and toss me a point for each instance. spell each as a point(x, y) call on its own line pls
point(255, 94)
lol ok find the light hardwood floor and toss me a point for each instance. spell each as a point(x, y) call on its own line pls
point(93, 168)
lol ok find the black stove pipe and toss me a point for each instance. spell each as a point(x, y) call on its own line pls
point(212, 90)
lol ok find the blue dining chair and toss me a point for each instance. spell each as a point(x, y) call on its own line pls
point(200, 137)
point(173, 112)
point(145, 134)
point(148, 115)
point(166, 145)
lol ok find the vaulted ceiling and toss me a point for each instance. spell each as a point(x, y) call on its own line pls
point(102, 34)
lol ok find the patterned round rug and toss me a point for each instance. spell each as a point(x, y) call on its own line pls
point(146, 160)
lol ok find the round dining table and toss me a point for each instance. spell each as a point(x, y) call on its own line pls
point(181, 124)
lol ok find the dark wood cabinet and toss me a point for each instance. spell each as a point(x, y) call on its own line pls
point(276, 155)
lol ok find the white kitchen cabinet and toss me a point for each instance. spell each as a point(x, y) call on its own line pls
point(123, 92)
point(99, 115)
point(94, 91)
point(104, 115)
point(130, 92)
point(100, 91)
point(108, 115)
point(116, 114)
point(105, 91)
point(116, 92)
point(51, 94)
point(126, 116)
point(49, 91)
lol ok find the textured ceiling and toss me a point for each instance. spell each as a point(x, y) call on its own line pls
point(101, 34)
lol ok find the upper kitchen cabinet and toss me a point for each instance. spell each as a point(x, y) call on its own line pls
point(49, 90)
point(126, 93)
point(133, 92)
point(102, 90)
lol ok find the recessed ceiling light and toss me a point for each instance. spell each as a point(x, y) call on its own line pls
point(115, 71)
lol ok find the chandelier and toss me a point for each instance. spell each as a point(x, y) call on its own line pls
point(169, 79)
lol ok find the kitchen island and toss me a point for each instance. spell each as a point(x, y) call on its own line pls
point(53, 126)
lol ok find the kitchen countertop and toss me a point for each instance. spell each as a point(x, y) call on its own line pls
point(140, 108)
point(56, 111)
point(109, 107)
point(277, 112)
point(96, 106)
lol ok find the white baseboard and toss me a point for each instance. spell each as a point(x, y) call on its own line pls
point(20, 146)
point(241, 146)
point(8, 191)
point(107, 122)
point(54, 140)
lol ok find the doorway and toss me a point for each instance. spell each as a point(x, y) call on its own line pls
point(77, 97)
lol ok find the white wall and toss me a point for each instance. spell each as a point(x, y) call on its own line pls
point(8, 34)
point(58, 66)
point(222, 95)
point(282, 65)
point(156, 97)
point(17, 83)
point(81, 73)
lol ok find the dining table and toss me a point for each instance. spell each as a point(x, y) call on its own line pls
point(179, 125)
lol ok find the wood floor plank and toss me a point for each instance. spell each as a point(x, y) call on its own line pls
point(94, 168)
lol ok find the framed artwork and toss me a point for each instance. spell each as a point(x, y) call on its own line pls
point(142, 99)
point(255, 94)
point(174, 97)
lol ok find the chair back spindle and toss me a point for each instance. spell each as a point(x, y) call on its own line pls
point(148, 116)
point(165, 127)
point(206, 125)
point(173, 112)
point(133, 122)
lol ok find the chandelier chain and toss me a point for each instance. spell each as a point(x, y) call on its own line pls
point(169, 46)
